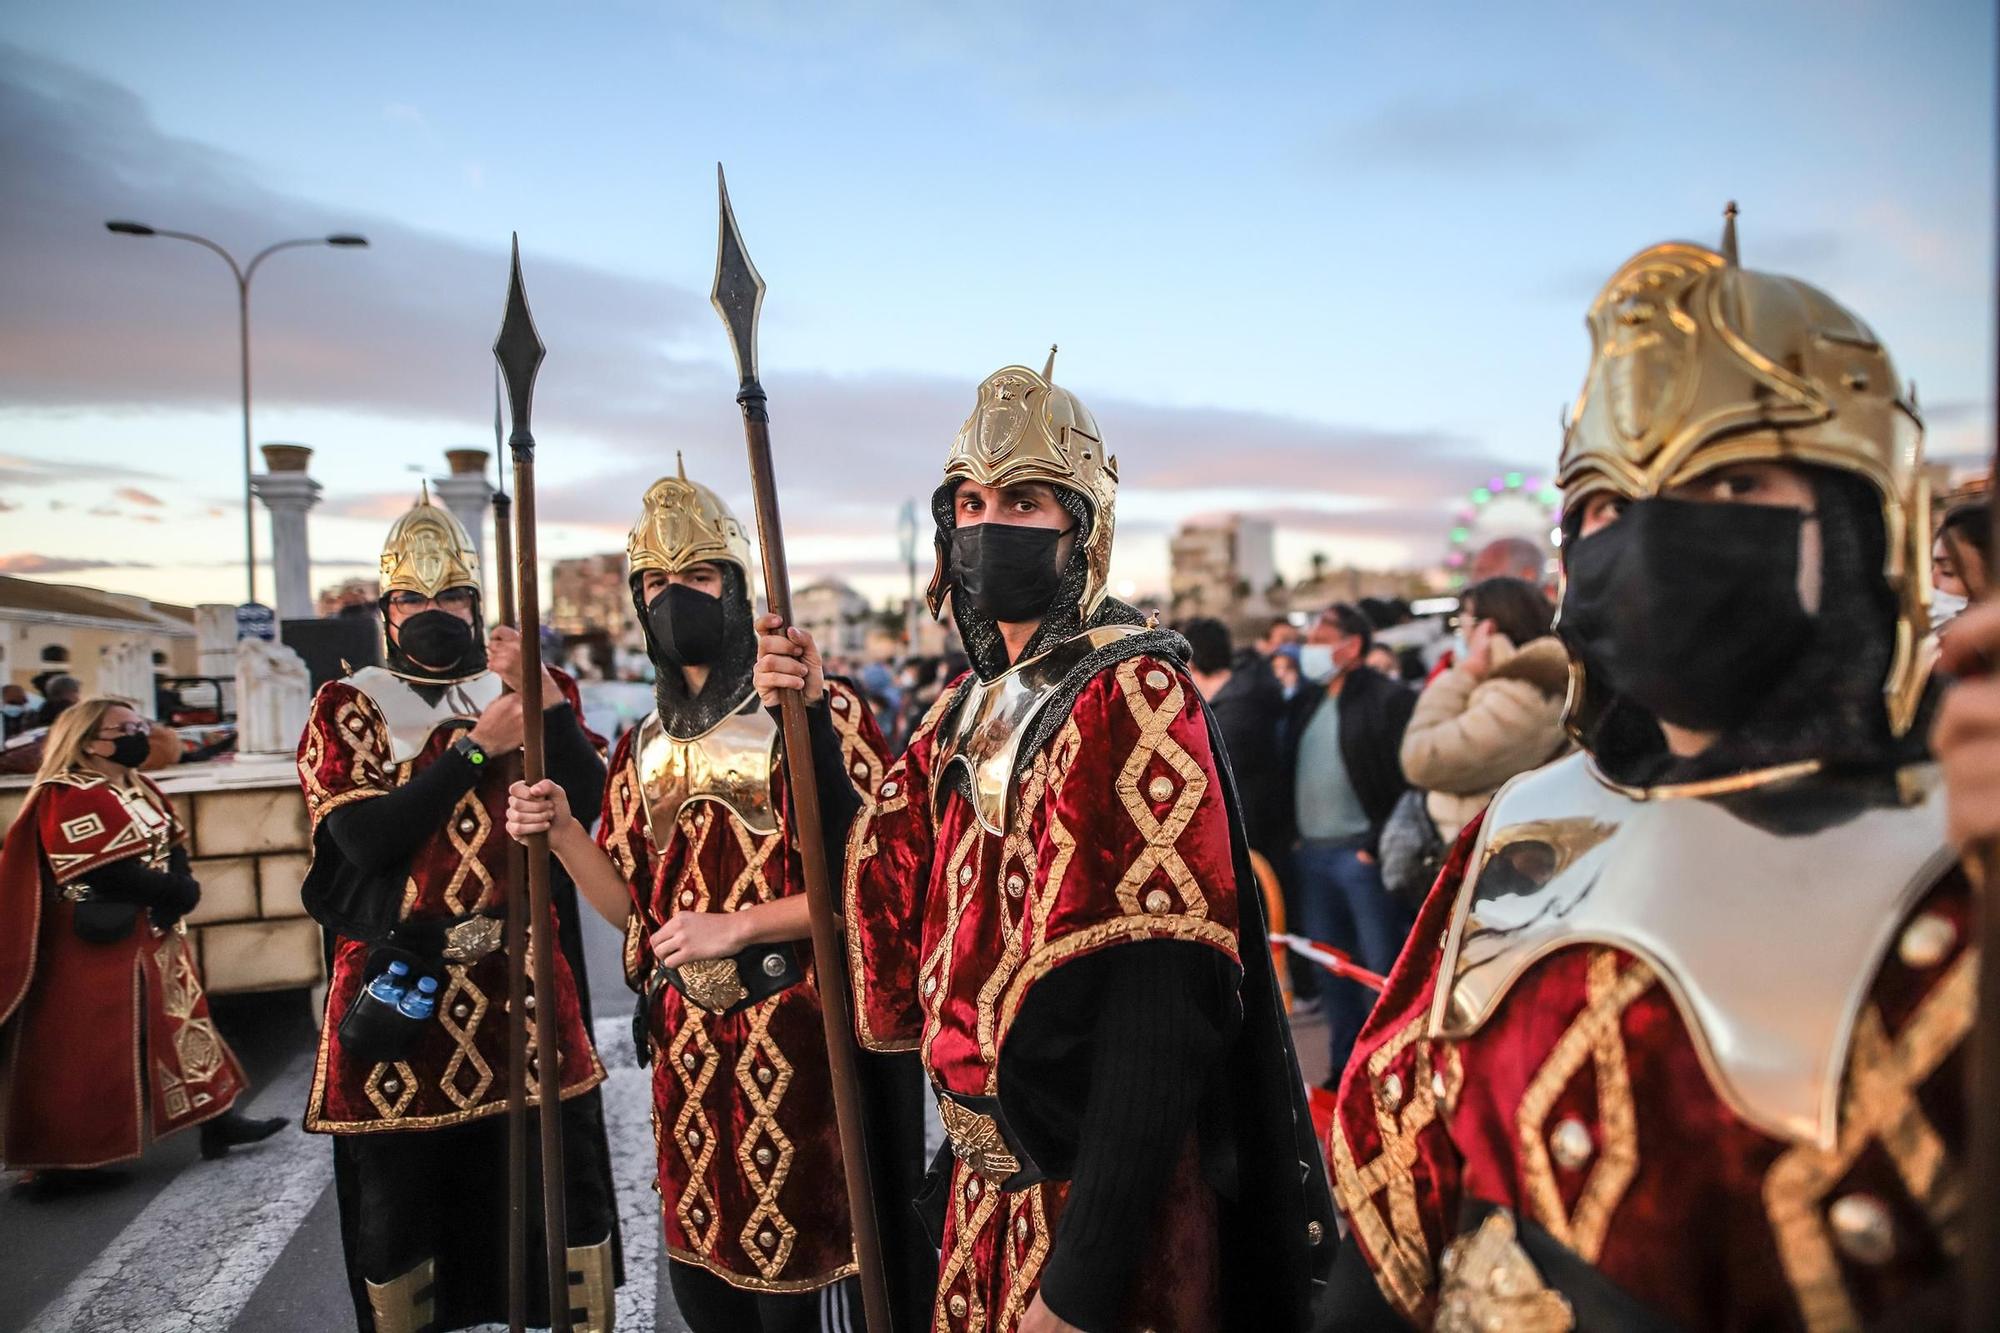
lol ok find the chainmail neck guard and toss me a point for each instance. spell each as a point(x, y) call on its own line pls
point(684, 714)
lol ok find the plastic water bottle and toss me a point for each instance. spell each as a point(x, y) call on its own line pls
point(420, 1003)
point(391, 985)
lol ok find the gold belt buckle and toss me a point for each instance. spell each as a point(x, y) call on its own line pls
point(714, 984)
point(976, 1140)
point(472, 939)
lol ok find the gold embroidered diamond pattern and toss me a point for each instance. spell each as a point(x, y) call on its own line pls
point(763, 1128)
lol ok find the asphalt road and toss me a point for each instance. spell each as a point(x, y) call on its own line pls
point(173, 1244)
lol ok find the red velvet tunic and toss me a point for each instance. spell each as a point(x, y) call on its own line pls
point(1582, 1104)
point(458, 1069)
point(749, 1167)
point(108, 1046)
point(1120, 835)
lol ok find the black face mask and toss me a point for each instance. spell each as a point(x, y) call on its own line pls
point(1690, 610)
point(1006, 571)
point(130, 751)
point(435, 640)
point(686, 625)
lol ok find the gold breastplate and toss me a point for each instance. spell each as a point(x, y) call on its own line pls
point(411, 720)
point(731, 763)
point(986, 727)
point(1767, 943)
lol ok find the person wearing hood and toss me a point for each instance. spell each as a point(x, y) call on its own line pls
point(1498, 712)
point(692, 843)
point(1049, 898)
point(1679, 1038)
point(402, 767)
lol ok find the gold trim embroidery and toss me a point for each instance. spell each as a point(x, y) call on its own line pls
point(1023, 1268)
point(464, 1037)
point(966, 1231)
point(694, 1116)
point(961, 882)
point(1881, 1106)
point(1017, 851)
point(782, 1286)
point(1160, 835)
point(1594, 1035)
point(1397, 1247)
point(406, 1093)
point(764, 1123)
point(854, 747)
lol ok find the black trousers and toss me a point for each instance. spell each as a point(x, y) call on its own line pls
point(710, 1305)
point(411, 1195)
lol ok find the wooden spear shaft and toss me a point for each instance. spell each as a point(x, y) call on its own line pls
point(541, 915)
point(517, 968)
point(519, 352)
point(738, 294)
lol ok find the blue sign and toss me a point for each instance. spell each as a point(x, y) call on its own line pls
point(254, 620)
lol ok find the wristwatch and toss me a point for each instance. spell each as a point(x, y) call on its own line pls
point(469, 750)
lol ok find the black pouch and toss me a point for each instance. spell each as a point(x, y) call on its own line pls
point(724, 985)
point(376, 1032)
point(103, 923)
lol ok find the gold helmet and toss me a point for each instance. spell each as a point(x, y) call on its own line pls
point(1697, 363)
point(427, 551)
point(1025, 427)
point(684, 523)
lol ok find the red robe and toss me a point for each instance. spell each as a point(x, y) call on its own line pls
point(749, 1166)
point(107, 1046)
point(458, 1069)
point(1584, 1105)
point(1120, 835)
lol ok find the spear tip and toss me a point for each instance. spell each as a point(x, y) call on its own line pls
point(519, 351)
point(738, 293)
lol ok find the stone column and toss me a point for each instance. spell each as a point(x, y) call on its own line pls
point(288, 493)
point(273, 695)
point(468, 494)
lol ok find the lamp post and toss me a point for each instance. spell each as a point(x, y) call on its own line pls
point(242, 273)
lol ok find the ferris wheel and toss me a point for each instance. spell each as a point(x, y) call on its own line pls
point(1511, 505)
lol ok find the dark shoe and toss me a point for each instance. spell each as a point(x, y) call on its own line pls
point(233, 1129)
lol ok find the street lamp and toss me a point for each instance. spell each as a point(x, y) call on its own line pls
point(345, 240)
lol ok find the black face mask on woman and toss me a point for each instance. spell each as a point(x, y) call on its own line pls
point(686, 624)
point(1006, 570)
point(1691, 610)
point(435, 640)
point(130, 751)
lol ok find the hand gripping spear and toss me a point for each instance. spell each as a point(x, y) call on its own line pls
point(738, 295)
point(519, 351)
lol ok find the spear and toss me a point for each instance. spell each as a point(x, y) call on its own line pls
point(519, 351)
point(738, 295)
point(517, 941)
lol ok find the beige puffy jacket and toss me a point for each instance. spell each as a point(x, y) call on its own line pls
point(1468, 737)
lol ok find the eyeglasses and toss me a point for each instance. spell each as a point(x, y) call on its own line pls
point(451, 599)
point(126, 729)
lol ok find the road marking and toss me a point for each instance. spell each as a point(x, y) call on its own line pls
point(190, 1260)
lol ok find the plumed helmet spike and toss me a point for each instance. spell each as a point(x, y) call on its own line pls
point(680, 465)
point(1729, 233)
point(424, 491)
point(1049, 368)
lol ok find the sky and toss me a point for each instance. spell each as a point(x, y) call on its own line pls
point(1324, 262)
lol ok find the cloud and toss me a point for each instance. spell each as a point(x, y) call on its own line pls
point(94, 321)
point(1467, 130)
point(133, 495)
point(21, 470)
point(33, 562)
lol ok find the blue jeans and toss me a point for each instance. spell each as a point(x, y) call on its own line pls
point(1342, 903)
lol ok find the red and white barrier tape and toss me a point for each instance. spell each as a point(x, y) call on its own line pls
point(1330, 958)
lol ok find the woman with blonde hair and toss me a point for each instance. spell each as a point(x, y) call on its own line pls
point(106, 1043)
